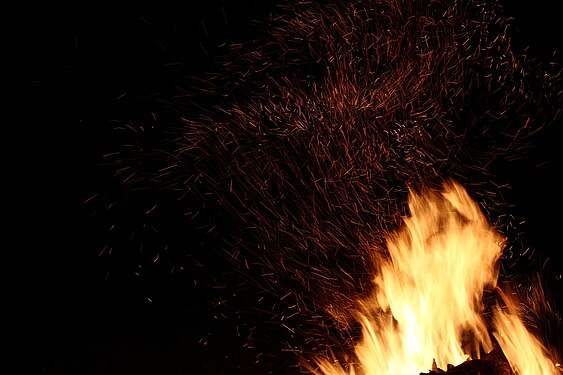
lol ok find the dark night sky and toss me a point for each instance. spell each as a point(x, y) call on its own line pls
point(75, 61)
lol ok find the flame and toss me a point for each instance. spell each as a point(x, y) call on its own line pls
point(526, 354)
point(427, 310)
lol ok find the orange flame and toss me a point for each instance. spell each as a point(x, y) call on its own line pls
point(427, 310)
point(525, 353)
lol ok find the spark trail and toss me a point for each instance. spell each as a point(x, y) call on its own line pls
point(306, 141)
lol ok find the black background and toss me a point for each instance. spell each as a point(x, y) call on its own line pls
point(78, 62)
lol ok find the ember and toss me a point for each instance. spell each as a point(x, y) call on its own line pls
point(296, 157)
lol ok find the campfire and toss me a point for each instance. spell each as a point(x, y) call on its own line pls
point(291, 161)
point(428, 309)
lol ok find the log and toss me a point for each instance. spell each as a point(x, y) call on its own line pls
point(493, 363)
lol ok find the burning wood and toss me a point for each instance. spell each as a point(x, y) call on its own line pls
point(492, 363)
point(429, 295)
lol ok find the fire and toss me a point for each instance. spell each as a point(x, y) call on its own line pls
point(427, 310)
point(526, 354)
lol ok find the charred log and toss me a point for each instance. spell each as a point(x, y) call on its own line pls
point(493, 363)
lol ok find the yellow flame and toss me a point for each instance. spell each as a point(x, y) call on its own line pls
point(427, 309)
point(525, 353)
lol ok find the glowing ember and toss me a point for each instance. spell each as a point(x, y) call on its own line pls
point(427, 310)
point(289, 161)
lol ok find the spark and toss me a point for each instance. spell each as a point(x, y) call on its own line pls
point(296, 155)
